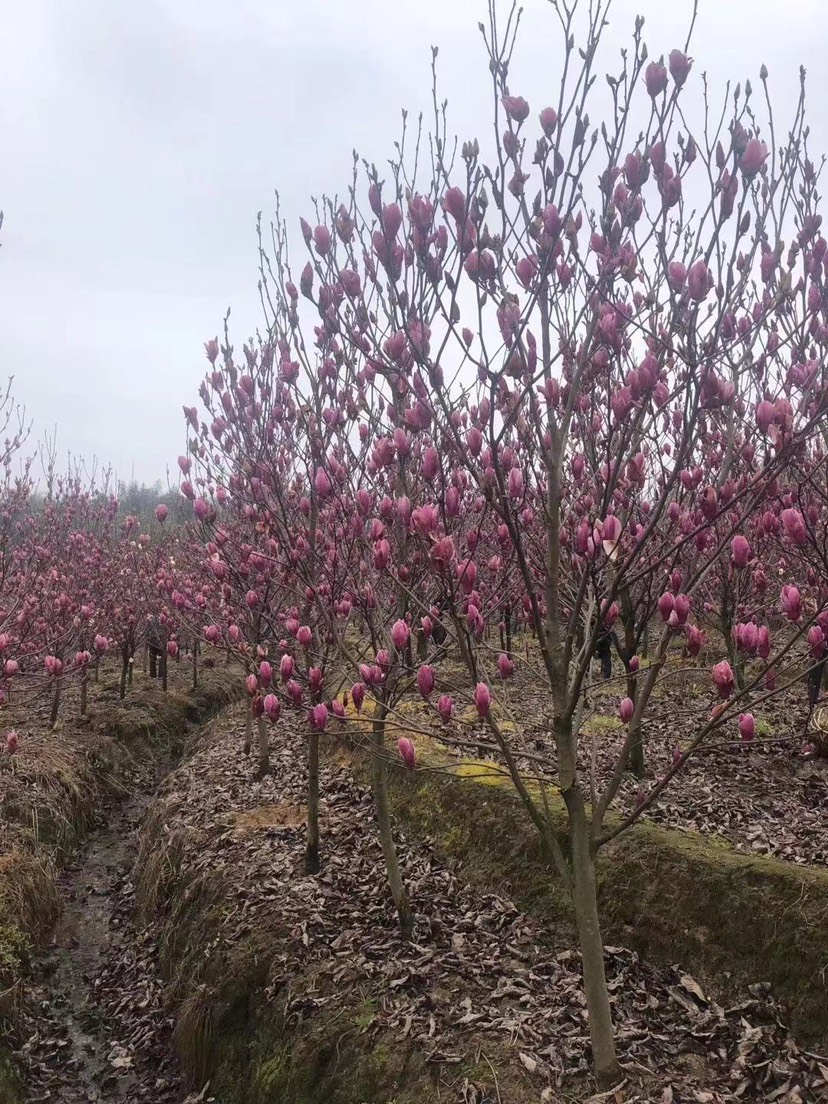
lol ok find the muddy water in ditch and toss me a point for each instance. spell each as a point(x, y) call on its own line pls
point(94, 1029)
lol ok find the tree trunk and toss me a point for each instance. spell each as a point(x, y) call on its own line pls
point(131, 669)
point(124, 666)
point(248, 727)
point(392, 865)
point(312, 846)
point(164, 670)
point(264, 746)
point(153, 663)
point(97, 668)
point(53, 716)
point(83, 686)
point(144, 659)
point(195, 665)
point(604, 1060)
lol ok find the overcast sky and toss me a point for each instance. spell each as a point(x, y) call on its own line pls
point(140, 140)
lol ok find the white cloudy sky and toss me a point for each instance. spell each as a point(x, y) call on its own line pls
point(140, 140)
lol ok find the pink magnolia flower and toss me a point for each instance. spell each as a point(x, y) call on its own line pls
point(723, 679)
point(252, 685)
point(272, 707)
point(161, 512)
point(319, 717)
point(400, 635)
point(358, 695)
point(505, 666)
point(680, 66)
point(697, 281)
point(549, 121)
point(795, 527)
point(265, 673)
point(655, 77)
point(425, 680)
point(753, 158)
point(406, 750)
point(747, 727)
point(739, 551)
point(12, 742)
point(482, 699)
point(791, 602)
point(626, 710)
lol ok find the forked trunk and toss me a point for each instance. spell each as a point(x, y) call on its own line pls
point(389, 851)
point(312, 846)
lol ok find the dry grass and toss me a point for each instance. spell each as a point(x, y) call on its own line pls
point(282, 815)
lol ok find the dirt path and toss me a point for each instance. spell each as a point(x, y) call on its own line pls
point(94, 1031)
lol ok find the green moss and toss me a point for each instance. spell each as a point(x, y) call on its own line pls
point(671, 895)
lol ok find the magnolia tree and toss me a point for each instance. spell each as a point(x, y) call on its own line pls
point(577, 383)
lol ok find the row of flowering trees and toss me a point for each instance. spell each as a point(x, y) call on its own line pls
point(78, 580)
point(576, 385)
point(571, 388)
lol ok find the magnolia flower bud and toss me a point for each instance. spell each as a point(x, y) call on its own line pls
point(791, 602)
point(161, 512)
point(680, 66)
point(739, 551)
point(794, 524)
point(252, 684)
point(666, 605)
point(747, 727)
point(265, 673)
point(482, 699)
point(406, 750)
point(723, 679)
point(655, 77)
point(425, 680)
point(101, 643)
point(272, 707)
point(753, 158)
point(816, 641)
point(358, 695)
point(549, 121)
point(516, 108)
point(697, 281)
point(304, 635)
point(505, 666)
point(400, 635)
point(626, 710)
point(319, 717)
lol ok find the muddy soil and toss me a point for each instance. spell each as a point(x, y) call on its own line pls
point(93, 1029)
